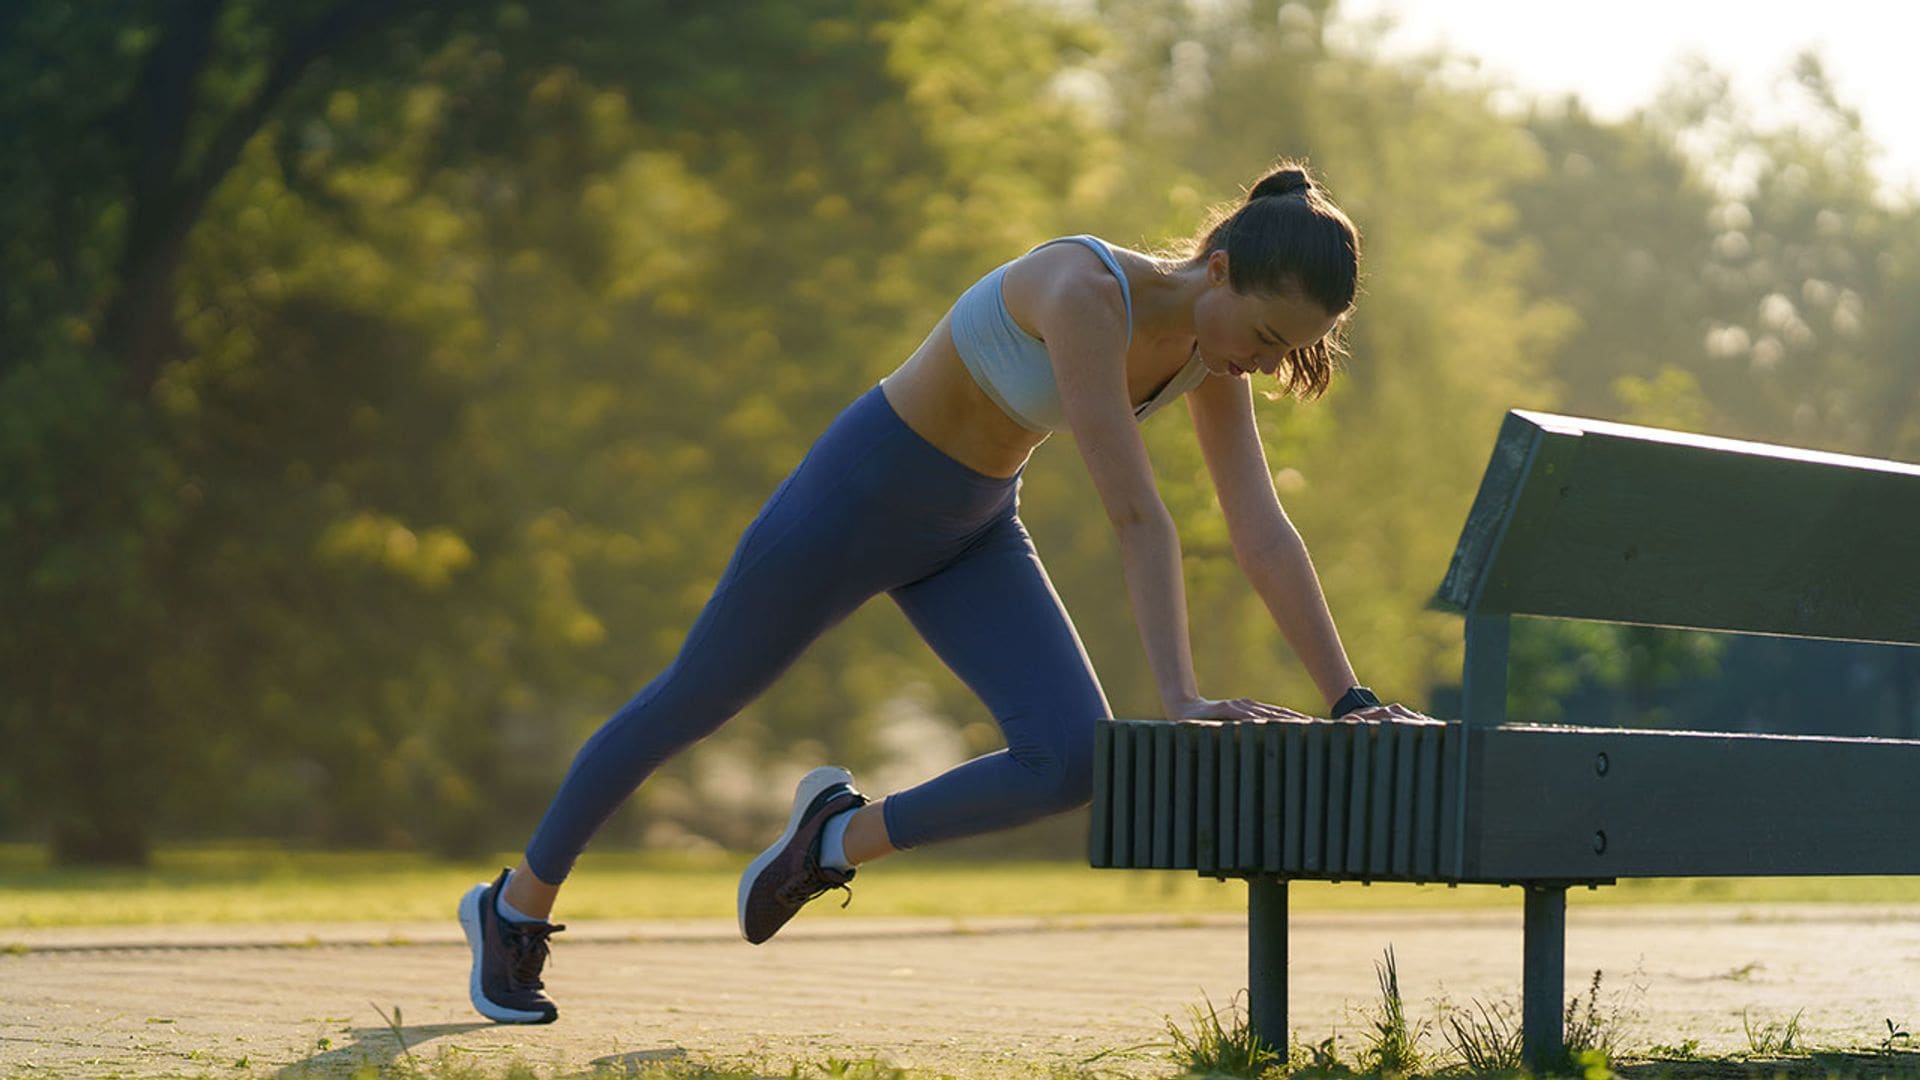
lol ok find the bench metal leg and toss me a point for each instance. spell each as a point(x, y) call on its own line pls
point(1267, 960)
point(1544, 980)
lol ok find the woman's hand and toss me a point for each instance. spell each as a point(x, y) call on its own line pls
point(1232, 709)
point(1385, 712)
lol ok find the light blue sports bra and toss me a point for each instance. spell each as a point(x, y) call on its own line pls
point(1013, 367)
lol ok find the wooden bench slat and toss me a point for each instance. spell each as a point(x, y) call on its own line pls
point(1406, 749)
point(1272, 819)
point(1162, 848)
point(1141, 736)
point(1293, 856)
point(1185, 792)
point(1339, 774)
point(1450, 787)
point(1380, 816)
point(1248, 856)
point(1426, 805)
point(1100, 835)
point(1313, 818)
point(1226, 804)
point(1206, 814)
point(1122, 824)
point(1359, 795)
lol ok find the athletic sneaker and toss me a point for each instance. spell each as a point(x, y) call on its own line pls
point(788, 875)
point(507, 958)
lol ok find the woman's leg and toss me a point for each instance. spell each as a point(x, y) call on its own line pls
point(872, 505)
point(995, 619)
point(783, 588)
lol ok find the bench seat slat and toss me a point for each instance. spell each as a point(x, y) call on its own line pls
point(1226, 804)
point(1100, 835)
point(1162, 847)
point(1359, 797)
point(1339, 772)
point(1272, 815)
point(1294, 761)
point(1247, 857)
point(1380, 816)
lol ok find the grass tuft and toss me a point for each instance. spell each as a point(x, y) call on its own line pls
point(1394, 1048)
point(1222, 1049)
point(1774, 1037)
point(1485, 1038)
point(1589, 1028)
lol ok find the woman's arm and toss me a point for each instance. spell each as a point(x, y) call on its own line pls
point(1080, 315)
point(1077, 310)
point(1265, 544)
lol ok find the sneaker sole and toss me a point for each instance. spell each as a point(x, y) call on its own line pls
point(470, 922)
point(811, 785)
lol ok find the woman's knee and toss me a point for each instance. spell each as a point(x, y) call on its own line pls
point(1062, 779)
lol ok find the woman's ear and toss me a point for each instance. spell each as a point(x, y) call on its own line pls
point(1217, 267)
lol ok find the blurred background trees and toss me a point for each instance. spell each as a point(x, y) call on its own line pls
point(383, 386)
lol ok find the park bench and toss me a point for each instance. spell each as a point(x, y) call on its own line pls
point(1575, 519)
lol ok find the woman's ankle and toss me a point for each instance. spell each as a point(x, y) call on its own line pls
point(527, 895)
point(866, 834)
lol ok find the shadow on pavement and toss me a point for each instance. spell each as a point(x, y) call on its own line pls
point(636, 1061)
point(374, 1046)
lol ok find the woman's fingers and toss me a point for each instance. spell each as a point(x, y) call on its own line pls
point(1385, 712)
point(1252, 709)
point(1266, 711)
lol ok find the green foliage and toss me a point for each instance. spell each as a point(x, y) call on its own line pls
point(1488, 1038)
point(1685, 1050)
point(1772, 1036)
point(1211, 1046)
point(1393, 1048)
point(1591, 1028)
point(1485, 1037)
point(383, 386)
point(1896, 1036)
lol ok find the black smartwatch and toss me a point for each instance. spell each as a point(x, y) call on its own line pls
point(1353, 700)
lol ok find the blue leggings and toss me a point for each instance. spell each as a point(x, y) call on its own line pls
point(872, 508)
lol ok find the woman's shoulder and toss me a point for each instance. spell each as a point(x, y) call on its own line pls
point(1084, 262)
point(1068, 271)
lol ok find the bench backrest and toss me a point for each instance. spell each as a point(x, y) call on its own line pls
point(1585, 519)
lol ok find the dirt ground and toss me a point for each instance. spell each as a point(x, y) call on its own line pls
point(975, 999)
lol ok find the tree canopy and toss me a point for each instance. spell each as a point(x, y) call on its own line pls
point(383, 385)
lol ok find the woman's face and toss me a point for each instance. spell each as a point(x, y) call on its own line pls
point(1238, 334)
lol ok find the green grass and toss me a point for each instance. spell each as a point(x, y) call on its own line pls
point(1217, 1046)
point(251, 884)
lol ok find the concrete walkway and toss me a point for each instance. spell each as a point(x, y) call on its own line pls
point(992, 998)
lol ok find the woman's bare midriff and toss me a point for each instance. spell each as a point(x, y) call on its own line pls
point(936, 395)
point(938, 398)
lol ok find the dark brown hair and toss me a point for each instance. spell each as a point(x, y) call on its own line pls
point(1288, 238)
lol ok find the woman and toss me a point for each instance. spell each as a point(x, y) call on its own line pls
point(913, 491)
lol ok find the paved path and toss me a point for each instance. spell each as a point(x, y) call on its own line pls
point(990, 998)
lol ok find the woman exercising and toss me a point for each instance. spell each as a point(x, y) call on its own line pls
point(914, 491)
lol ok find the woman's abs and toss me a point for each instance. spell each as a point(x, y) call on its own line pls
point(937, 397)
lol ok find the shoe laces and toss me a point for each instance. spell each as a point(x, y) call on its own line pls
point(527, 950)
point(813, 882)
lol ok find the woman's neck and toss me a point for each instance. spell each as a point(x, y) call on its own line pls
point(1163, 301)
